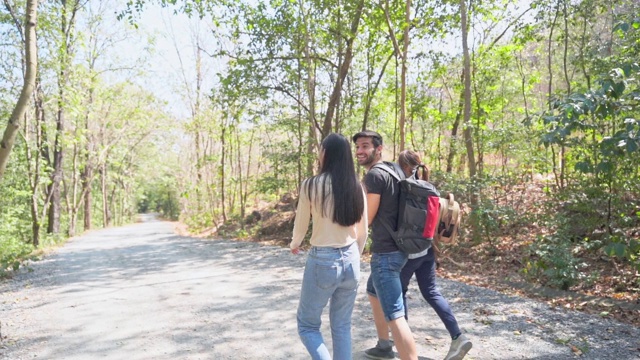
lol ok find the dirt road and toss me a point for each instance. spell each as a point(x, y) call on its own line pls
point(142, 292)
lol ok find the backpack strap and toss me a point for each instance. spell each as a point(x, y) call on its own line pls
point(386, 168)
point(451, 213)
point(455, 213)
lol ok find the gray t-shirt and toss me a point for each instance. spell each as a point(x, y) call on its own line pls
point(380, 182)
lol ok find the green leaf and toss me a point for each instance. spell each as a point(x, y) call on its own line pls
point(584, 167)
point(620, 250)
point(623, 26)
point(618, 89)
point(548, 138)
point(605, 167)
point(549, 119)
point(616, 249)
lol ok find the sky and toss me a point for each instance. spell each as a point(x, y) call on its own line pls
point(162, 50)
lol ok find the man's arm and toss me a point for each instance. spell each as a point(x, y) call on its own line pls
point(362, 227)
point(373, 203)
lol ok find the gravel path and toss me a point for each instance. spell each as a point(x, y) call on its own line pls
point(142, 292)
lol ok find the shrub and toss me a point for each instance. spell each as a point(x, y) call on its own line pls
point(12, 253)
point(551, 261)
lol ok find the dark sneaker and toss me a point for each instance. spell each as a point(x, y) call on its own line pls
point(459, 348)
point(380, 353)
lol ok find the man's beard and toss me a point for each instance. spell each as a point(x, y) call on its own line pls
point(371, 158)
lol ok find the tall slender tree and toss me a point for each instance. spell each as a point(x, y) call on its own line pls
point(28, 34)
point(468, 127)
point(402, 53)
point(67, 32)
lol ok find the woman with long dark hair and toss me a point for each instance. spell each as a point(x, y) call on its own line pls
point(336, 202)
point(424, 266)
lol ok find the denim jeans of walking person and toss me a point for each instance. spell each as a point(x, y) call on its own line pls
point(425, 269)
point(330, 275)
point(384, 282)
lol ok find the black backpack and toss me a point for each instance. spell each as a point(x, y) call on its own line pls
point(418, 211)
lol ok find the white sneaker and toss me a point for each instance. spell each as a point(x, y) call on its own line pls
point(459, 348)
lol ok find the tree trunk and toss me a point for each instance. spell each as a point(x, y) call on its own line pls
point(106, 213)
point(53, 226)
point(244, 194)
point(31, 61)
point(86, 184)
point(36, 159)
point(312, 143)
point(583, 45)
point(240, 175)
point(72, 197)
point(468, 127)
point(454, 129)
point(402, 53)
point(568, 80)
point(565, 54)
point(334, 99)
point(550, 90)
point(86, 176)
point(195, 116)
point(371, 93)
point(222, 172)
point(478, 126)
point(550, 58)
point(299, 127)
point(403, 86)
point(67, 25)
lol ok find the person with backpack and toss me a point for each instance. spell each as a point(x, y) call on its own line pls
point(424, 268)
point(336, 201)
point(384, 287)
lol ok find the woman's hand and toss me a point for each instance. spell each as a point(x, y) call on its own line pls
point(295, 251)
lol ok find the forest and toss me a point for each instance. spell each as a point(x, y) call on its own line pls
point(526, 110)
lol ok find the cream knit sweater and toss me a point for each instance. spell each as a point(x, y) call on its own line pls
point(325, 232)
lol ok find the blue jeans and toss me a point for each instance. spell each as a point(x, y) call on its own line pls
point(330, 274)
point(384, 282)
point(425, 269)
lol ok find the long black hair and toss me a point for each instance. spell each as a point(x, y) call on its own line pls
point(337, 165)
